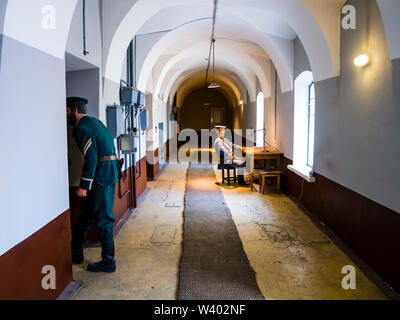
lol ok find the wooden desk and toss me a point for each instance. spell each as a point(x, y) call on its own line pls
point(272, 154)
point(272, 171)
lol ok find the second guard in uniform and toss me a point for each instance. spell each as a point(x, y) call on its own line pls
point(224, 148)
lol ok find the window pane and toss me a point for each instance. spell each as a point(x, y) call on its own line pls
point(312, 107)
point(310, 161)
point(312, 125)
point(260, 120)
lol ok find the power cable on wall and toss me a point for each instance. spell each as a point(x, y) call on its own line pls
point(85, 52)
point(173, 29)
point(302, 191)
point(212, 40)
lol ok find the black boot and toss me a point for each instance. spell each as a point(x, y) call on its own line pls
point(108, 263)
point(241, 181)
point(102, 266)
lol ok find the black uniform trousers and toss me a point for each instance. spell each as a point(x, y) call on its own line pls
point(96, 209)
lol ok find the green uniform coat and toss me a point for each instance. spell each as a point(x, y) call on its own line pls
point(95, 141)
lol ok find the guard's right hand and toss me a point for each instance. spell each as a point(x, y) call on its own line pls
point(81, 193)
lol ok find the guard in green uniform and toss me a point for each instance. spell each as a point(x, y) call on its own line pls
point(101, 172)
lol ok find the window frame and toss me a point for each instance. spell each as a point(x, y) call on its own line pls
point(310, 87)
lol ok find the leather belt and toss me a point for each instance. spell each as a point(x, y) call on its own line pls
point(109, 158)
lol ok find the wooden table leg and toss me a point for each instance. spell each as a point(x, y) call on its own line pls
point(279, 183)
point(262, 187)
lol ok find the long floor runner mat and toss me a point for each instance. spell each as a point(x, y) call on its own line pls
point(213, 265)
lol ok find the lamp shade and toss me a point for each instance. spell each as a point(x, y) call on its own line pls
point(214, 85)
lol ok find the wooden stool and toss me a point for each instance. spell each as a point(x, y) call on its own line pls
point(256, 175)
point(270, 174)
point(228, 168)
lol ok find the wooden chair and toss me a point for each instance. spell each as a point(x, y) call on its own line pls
point(270, 174)
point(228, 167)
point(228, 178)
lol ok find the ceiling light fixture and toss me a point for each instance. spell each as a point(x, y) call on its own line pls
point(214, 84)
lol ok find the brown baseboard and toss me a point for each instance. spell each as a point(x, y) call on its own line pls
point(369, 229)
point(153, 168)
point(21, 267)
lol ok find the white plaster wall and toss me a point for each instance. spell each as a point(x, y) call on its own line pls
point(357, 115)
point(93, 33)
point(23, 22)
point(33, 131)
point(144, 44)
point(3, 6)
point(34, 189)
point(358, 133)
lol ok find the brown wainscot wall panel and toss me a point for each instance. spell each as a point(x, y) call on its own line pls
point(371, 230)
point(153, 169)
point(21, 267)
point(141, 177)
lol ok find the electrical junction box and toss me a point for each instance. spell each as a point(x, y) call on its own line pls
point(132, 97)
point(115, 120)
point(127, 143)
point(144, 122)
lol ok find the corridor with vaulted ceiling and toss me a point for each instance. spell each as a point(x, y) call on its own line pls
point(199, 149)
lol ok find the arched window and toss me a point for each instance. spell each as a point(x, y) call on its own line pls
point(304, 123)
point(260, 120)
point(311, 125)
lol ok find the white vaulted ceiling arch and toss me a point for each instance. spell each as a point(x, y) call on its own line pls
point(195, 83)
point(174, 68)
point(316, 24)
point(244, 65)
point(183, 38)
point(270, 24)
point(179, 80)
point(196, 78)
point(390, 14)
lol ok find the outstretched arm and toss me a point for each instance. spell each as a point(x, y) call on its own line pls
point(87, 145)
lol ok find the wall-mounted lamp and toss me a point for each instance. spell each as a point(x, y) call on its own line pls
point(241, 102)
point(362, 60)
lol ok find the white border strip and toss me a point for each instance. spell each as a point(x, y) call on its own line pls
point(301, 174)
